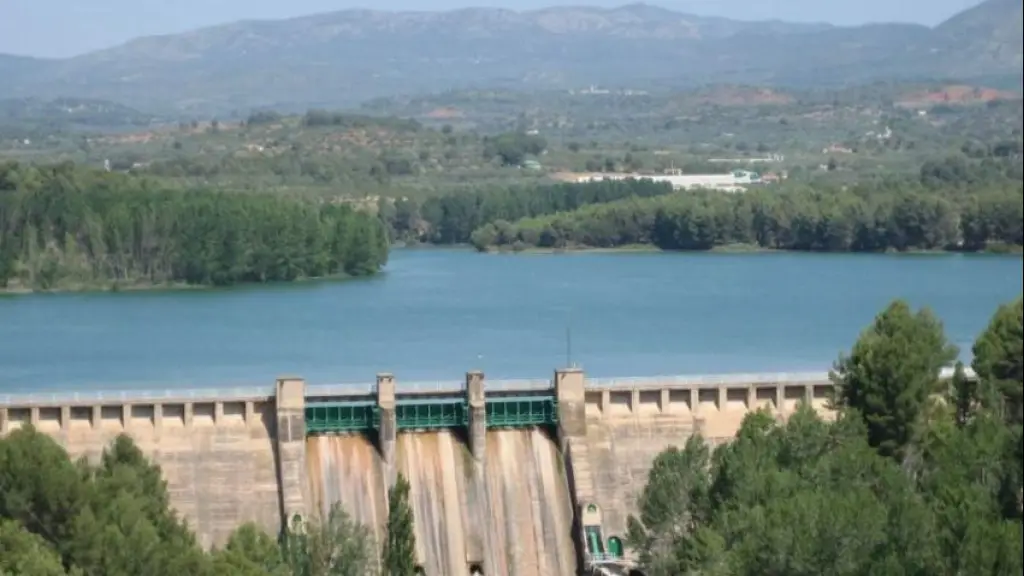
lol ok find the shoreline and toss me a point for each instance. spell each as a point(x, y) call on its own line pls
point(149, 288)
point(732, 249)
point(739, 249)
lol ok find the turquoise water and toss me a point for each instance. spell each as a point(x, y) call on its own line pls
point(434, 314)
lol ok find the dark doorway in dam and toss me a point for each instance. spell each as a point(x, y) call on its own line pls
point(615, 547)
point(476, 570)
point(421, 572)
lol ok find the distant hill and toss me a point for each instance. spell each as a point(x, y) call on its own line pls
point(28, 116)
point(15, 69)
point(986, 39)
point(345, 57)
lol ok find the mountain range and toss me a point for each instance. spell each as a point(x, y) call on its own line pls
point(341, 58)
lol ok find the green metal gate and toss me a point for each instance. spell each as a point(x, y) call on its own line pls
point(521, 411)
point(352, 416)
point(431, 413)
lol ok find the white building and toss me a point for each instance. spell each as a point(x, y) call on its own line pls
point(733, 182)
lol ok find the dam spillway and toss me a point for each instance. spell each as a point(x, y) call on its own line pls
point(488, 486)
point(513, 477)
point(510, 516)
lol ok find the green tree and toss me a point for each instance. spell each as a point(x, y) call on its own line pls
point(960, 478)
point(250, 552)
point(804, 498)
point(23, 553)
point(999, 358)
point(891, 373)
point(108, 520)
point(128, 527)
point(999, 365)
point(40, 488)
point(331, 546)
point(811, 497)
point(399, 551)
point(668, 534)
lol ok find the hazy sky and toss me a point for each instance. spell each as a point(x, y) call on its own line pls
point(57, 28)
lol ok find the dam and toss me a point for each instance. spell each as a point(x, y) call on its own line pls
point(509, 477)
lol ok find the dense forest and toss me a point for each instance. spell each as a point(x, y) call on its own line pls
point(914, 476)
point(868, 218)
point(66, 227)
point(452, 218)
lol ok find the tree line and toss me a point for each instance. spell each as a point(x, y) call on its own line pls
point(452, 218)
point(62, 226)
point(113, 518)
point(914, 476)
point(863, 219)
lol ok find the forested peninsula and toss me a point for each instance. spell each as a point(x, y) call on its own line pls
point(63, 227)
point(869, 218)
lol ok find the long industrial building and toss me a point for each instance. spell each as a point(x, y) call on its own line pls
point(735, 181)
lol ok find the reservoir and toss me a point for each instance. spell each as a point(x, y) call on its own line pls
point(434, 314)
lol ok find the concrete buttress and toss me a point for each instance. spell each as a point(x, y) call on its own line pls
point(477, 415)
point(388, 432)
point(291, 447)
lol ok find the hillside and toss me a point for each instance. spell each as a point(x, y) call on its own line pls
point(345, 57)
point(987, 37)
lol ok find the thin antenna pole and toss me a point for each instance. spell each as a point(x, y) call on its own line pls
point(568, 347)
point(568, 341)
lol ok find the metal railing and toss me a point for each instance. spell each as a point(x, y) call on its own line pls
point(604, 558)
point(427, 387)
point(707, 380)
point(728, 379)
point(328, 390)
point(537, 385)
point(98, 397)
point(430, 387)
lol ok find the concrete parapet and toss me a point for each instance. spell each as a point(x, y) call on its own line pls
point(477, 414)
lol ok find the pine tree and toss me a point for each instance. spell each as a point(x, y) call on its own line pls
point(400, 547)
point(891, 373)
point(999, 363)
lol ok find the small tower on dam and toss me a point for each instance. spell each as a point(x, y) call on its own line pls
point(291, 446)
point(477, 415)
point(387, 430)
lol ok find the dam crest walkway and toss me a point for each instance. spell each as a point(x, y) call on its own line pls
point(355, 389)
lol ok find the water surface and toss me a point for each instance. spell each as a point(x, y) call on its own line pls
point(434, 314)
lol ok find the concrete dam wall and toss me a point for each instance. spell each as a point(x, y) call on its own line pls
point(513, 478)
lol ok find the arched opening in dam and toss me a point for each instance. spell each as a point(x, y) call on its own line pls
point(509, 515)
